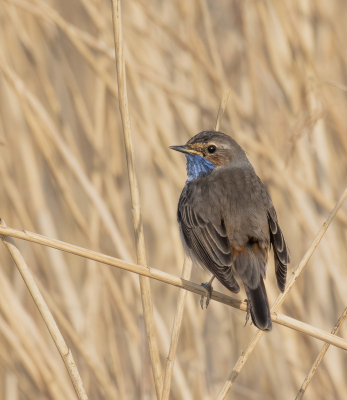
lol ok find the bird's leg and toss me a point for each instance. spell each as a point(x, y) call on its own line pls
point(208, 287)
point(248, 310)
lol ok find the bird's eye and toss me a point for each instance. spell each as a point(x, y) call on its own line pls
point(211, 149)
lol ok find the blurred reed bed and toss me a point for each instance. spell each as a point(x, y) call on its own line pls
point(63, 174)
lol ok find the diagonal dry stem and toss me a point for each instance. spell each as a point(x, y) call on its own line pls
point(172, 280)
point(91, 359)
point(243, 358)
point(320, 356)
point(57, 337)
point(187, 268)
point(135, 198)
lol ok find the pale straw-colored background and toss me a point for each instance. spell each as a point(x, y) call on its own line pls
point(62, 152)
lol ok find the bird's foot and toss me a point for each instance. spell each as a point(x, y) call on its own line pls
point(248, 312)
point(209, 288)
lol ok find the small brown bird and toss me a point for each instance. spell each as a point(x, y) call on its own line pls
point(228, 222)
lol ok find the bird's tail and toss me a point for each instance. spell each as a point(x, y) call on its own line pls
point(259, 306)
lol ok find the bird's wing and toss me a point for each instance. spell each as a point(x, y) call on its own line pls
point(280, 248)
point(207, 243)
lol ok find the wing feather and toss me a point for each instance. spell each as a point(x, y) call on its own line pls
point(207, 244)
point(281, 251)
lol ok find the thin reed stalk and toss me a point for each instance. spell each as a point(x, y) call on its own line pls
point(135, 199)
point(320, 357)
point(222, 106)
point(187, 267)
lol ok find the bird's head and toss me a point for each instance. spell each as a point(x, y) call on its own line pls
point(208, 150)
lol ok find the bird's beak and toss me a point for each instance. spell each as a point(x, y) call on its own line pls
point(184, 149)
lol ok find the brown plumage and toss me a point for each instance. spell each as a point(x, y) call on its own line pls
point(227, 220)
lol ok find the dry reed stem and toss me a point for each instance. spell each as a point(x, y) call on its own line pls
point(57, 337)
point(320, 356)
point(50, 369)
point(96, 365)
point(222, 106)
point(135, 199)
point(244, 356)
point(187, 267)
point(32, 340)
point(171, 280)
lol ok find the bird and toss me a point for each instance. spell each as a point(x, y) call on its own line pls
point(228, 222)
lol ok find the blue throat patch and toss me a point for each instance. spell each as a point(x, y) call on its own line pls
point(197, 166)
